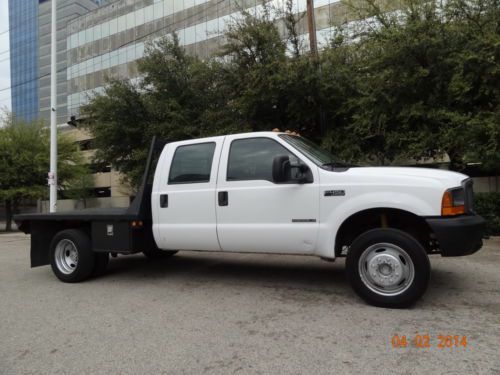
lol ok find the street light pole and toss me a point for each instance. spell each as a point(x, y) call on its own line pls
point(52, 180)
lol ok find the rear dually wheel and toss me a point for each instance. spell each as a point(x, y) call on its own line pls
point(71, 256)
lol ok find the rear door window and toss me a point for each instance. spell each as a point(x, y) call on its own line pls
point(192, 164)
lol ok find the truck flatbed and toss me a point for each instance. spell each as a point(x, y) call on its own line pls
point(115, 229)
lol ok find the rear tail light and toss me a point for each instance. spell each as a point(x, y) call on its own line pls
point(136, 224)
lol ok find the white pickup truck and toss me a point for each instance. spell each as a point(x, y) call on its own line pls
point(279, 193)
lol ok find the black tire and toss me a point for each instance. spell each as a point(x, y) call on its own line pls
point(75, 241)
point(100, 264)
point(384, 245)
point(155, 253)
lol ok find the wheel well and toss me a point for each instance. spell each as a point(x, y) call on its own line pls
point(42, 233)
point(363, 221)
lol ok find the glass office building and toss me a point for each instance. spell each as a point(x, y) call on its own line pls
point(23, 42)
point(108, 41)
point(30, 30)
point(67, 10)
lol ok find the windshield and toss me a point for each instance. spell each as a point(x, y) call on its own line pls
point(318, 156)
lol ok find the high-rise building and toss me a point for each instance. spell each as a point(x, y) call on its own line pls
point(30, 33)
point(23, 35)
point(67, 10)
point(108, 41)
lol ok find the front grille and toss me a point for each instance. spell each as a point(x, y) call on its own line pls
point(469, 195)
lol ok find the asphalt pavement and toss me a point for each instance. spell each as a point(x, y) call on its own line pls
point(214, 313)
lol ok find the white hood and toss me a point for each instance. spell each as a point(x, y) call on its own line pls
point(448, 178)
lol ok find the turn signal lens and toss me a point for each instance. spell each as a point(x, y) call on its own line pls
point(449, 206)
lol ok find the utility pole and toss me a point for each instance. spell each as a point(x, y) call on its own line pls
point(313, 48)
point(52, 180)
point(311, 26)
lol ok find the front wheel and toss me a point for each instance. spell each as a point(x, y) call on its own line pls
point(388, 268)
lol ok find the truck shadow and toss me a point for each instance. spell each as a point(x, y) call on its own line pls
point(308, 275)
point(232, 268)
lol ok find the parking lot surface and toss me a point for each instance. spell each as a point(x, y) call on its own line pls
point(241, 313)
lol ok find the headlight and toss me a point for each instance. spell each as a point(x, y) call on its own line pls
point(453, 202)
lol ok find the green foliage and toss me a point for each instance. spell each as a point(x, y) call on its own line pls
point(420, 82)
point(24, 162)
point(488, 206)
point(79, 187)
point(427, 81)
point(120, 121)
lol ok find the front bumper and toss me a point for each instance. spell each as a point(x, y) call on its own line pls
point(457, 236)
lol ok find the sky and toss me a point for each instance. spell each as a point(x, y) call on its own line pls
point(4, 56)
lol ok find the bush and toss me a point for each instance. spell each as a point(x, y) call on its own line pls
point(488, 206)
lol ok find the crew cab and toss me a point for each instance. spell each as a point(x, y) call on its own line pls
point(273, 192)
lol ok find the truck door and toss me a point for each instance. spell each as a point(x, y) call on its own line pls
point(183, 199)
point(254, 213)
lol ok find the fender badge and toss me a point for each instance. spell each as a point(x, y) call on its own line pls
point(334, 193)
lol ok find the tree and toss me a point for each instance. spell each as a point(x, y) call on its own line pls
point(419, 82)
point(426, 81)
point(338, 86)
point(120, 123)
point(24, 163)
point(80, 188)
point(273, 84)
point(474, 88)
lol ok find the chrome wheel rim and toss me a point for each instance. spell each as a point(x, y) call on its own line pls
point(386, 269)
point(66, 256)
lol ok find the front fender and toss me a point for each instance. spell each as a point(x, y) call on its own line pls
point(332, 216)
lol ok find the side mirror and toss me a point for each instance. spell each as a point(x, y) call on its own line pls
point(284, 171)
point(281, 168)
